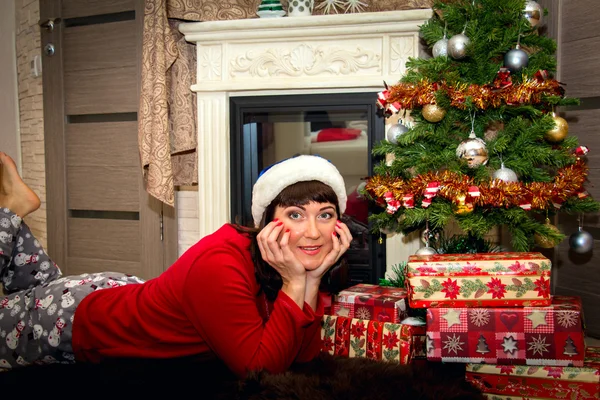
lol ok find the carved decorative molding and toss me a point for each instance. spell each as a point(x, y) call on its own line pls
point(401, 48)
point(210, 62)
point(305, 60)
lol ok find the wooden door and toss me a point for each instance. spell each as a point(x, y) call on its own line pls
point(573, 23)
point(100, 218)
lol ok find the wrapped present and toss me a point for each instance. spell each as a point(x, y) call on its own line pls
point(479, 280)
point(549, 382)
point(386, 341)
point(372, 302)
point(552, 335)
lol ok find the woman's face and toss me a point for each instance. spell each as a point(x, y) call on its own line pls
point(311, 231)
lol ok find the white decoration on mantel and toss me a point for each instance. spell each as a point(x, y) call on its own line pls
point(355, 6)
point(211, 58)
point(330, 5)
point(305, 60)
point(343, 53)
point(402, 48)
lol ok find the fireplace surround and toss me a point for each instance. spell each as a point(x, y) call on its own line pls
point(322, 54)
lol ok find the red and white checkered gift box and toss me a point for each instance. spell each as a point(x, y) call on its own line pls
point(372, 302)
point(550, 335)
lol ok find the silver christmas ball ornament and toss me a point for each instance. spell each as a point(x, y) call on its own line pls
point(394, 131)
point(581, 242)
point(426, 251)
point(457, 46)
point(440, 48)
point(516, 59)
point(533, 12)
point(473, 150)
point(505, 174)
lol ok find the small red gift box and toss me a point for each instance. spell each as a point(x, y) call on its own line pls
point(385, 341)
point(373, 302)
point(478, 280)
point(550, 382)
point(550, 335)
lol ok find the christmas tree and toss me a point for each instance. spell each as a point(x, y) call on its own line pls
point(479, 139)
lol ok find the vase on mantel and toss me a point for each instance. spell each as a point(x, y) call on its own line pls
point(300, 8)
point(270, 9)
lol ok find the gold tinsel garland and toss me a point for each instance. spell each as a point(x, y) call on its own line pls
point(530, 91)
point(568, 182)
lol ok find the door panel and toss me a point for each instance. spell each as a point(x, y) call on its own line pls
point(100, 217)
point(114, 144)
point(103, 188)
point(110, 45)
point(101, 91)
point(84, 8)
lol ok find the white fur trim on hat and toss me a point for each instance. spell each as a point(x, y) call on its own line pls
point(290, 171)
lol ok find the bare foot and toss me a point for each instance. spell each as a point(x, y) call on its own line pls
point(14, 193)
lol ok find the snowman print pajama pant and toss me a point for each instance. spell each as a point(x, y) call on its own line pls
point(38, 305)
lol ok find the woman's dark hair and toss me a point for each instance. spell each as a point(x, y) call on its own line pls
point(298, 194)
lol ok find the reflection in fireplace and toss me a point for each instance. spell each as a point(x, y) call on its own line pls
point(340, 128)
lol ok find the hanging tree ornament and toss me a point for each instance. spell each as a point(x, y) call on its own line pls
point(433, 112)
point(543, 241)
point(560, 130)
point(440, 48)
point(427, 250)
point(457, 45)
point(505, 174)
point(581, 242)
point(473, 149)
point(516, 59)
point(398, 129)
point(533, 13)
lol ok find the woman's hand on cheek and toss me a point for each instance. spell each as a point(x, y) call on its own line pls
point(273, 244)
point(340, 246)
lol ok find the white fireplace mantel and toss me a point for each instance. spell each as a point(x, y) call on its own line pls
point(269, 56)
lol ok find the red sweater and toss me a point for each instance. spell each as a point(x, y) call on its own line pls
point(206, 301)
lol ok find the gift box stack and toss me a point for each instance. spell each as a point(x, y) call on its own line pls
point(496, 309)
point(367, 322)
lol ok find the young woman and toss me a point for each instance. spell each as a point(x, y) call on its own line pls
point(248, 296)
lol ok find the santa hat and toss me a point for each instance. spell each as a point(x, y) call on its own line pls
point(302, 168)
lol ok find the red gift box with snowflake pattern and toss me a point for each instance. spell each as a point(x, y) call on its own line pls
point(549, 382)
point(374, 302)
point(385, 341)
point(504, 279)
point(552, 335)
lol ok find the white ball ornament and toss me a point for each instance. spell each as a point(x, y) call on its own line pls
point(505, 174)
point(457, 46)
point(426, 251)
point(440, 48)
point(394, 131)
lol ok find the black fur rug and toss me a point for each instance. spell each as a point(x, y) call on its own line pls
point(321, 379)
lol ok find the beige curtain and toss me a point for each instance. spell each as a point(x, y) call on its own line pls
point(167, 116)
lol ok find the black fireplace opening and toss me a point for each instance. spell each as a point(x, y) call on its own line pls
point(341, 127)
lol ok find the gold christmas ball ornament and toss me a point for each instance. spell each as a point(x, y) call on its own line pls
point(559, 132)
point(433, 113)
point(473, 150)
point(544, 242)
point(462, 206)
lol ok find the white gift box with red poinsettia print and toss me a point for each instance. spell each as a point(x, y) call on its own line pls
point(552, 335)
point(501, 279)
